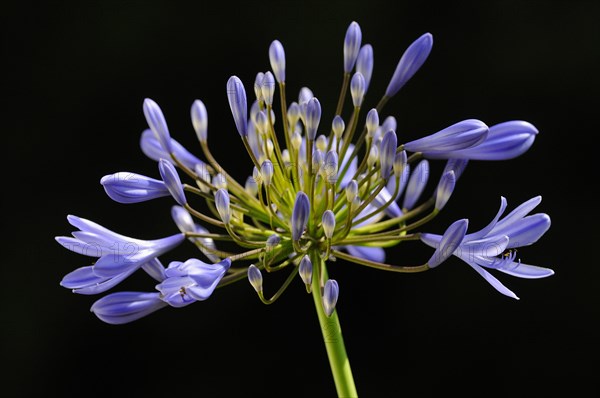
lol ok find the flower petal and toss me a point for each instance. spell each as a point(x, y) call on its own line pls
point(528, 230)
point(492, 280)
point(79, 247)
point(526, 271)
point(518, 213)
point(368, 253)
point(485, 231)
point(124, 307)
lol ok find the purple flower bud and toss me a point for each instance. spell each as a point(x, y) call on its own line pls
point(171, 179)
point(328, 221)
point(313, 117)
point(123, 307)
point(446, 142)
point(317, 160)
point(330, 167)
point(268, 88)
point(389, 123)
point(255, 278)
point(456, 165)
point(273, 241)
point(338, 126)
point(157, 123)
point(262, 123)
point(200, 120)
point(183, 219)
point(266, 171)
point(293, 114)
point(372, 121)
point(351, 46)
point(258, 90)
point(219, 181)
point(277, 59)
point(306, 270)
point(222, 204)
point(251, 186)
point(351, 190)
point(410, 62)
point(127, 187)
point(236, 94)
point(190, 281)
point(154, 150)
point(444, 189)
point(400, 162)
point(451, 239)
point(331, 291)
point(504, 141)
point(364, 63)
point(357, 89)
point(300, 215)
point(305, 95)
point(416, 184)
point(387, 154)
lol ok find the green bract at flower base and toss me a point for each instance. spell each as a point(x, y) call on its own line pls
point(311, 198)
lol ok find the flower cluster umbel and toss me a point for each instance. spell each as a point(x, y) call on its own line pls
point(316, 193)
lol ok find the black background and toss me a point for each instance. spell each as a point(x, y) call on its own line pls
point(72, 112)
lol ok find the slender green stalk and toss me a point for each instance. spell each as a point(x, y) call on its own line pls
point(332, 334)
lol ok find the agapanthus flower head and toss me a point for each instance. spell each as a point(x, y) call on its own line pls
point(313, 193)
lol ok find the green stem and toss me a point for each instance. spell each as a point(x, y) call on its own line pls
point(332, 334)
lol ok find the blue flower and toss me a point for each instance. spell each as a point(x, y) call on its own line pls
point(123, 307)
point(322, 196)
point(300, 215)
point(126, 187)
point(465, 134)
point(117, 254)
point(152, 148)
point(236, 94)
point(486, 248)
point(190, 281)
point(504, 141)
point(84, 280)
point(351, 46)
point(364, 63)
point(172, 181)
point(410, 62)
point(277, 60)
point(157, 123)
